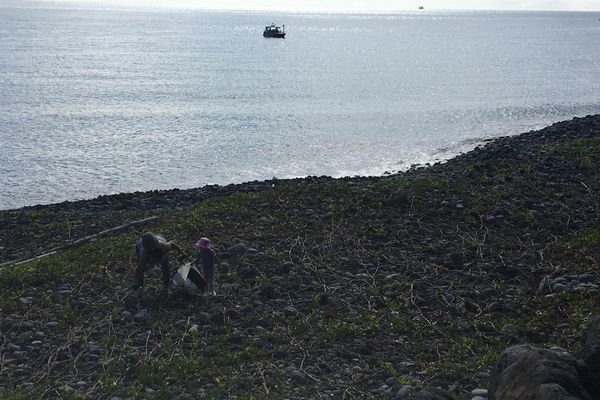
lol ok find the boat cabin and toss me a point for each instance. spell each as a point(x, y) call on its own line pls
point(274, 31)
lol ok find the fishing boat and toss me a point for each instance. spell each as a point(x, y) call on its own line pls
point(274, 31)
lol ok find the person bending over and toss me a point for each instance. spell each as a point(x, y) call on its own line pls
point(151, 250)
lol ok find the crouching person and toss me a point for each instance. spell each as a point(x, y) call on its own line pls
point(151, 250)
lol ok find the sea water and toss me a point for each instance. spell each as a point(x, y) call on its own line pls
point(100, 100)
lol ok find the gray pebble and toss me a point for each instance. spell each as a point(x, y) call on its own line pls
point(238, 249)
point(141, 316)
point(382, 388)
point(289, 311)
point(297, 377)
point(403, 392)
point(204, 317)
point(79, 304)
point(404, 365)
point(20, 372)
point(66, 388)
point(482, 375)
point(95, 349)
point(26, 301)
point(509, 330)
point(91, 358)
point(479, 392)
point(155, 272)
point(558, 350)
point(12, 347)
point(290, 369)
point(285, 268)
point(558, 287)
point(494, 306)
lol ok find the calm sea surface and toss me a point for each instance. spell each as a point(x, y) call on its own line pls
point(97, 100)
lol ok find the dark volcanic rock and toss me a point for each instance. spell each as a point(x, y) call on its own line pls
point(432, 394)
point(247, 273)
point(238, 249)
point(526, 372)
point(590, 355)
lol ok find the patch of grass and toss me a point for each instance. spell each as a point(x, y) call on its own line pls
point(392, 371)
point(584, 152)
point(401, 325)
point(24, 395)
point(336, 331)
point(89, 257)
point(429, 183)
point(584, 243)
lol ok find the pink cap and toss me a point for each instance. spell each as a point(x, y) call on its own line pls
point(203, 243)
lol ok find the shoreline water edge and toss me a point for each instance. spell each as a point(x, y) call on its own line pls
point(177, 196)
point(352, 288)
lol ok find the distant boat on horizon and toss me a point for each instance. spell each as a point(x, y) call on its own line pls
point(273, 31)
point(421, 8)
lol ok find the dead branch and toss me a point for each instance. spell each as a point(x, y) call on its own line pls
point(77, 242)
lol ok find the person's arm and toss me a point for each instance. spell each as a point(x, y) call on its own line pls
point(197, 260)
point(173, 245)
point(212, 258)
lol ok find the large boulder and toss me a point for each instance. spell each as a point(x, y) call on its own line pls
point(526, 372)
point(590, 357)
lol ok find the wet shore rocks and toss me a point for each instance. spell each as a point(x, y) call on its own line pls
point(446, 281)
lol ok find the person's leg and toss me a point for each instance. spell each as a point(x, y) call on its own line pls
point(138, 249)
point(208, 272)
point(138, 274)
point(166, 273)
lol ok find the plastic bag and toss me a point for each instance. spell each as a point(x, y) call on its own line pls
point(189, 279)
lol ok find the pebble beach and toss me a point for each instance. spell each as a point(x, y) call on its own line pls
point(356, 287)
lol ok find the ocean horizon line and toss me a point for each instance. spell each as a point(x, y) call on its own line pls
point(116, 6)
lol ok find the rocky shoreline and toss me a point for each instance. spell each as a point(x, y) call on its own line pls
point(366, 287)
